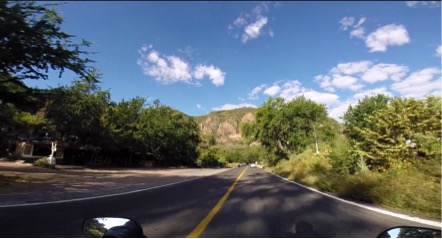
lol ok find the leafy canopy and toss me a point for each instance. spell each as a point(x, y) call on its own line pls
point(286, 127)
point(31, 43)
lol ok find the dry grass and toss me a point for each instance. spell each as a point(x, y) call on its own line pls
point(407, 191)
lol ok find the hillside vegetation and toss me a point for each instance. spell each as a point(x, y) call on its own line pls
point(387, 152)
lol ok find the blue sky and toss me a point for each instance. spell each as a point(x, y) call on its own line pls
point(203, 56)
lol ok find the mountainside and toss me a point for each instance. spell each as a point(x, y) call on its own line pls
point(225, 125)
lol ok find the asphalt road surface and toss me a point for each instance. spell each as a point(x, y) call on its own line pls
point(260, 205)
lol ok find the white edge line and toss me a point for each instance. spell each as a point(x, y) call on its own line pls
point(107, 195)
point(398, 215)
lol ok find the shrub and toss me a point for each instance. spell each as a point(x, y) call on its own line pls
point(209, 158)
point(44, 163)
point(406, 187)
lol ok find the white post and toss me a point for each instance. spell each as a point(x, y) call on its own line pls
point(317, 150)
point(316, 140)
point(53, 149)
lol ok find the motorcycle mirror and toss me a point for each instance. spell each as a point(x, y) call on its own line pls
point(98, 227)
point(410, 232)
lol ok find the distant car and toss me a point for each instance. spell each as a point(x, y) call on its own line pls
point(253, 165)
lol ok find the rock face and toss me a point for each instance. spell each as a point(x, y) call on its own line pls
point(248, 118)
point(225, 125)
point(226, 131)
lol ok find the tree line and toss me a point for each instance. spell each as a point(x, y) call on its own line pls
point(32, 43)
point(387, 151)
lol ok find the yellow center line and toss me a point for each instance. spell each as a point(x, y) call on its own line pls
point(205, 222)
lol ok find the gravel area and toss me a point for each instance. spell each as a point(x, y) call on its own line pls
point(23, 183)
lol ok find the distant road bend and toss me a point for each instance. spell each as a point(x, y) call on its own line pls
point(241, 202)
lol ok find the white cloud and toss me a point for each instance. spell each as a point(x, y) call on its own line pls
point(371, 92)
point(321, 98)
point(253, 95)
point(231, 106)
point(420, 83)
point(358, 32)
point(349, 22)
point(378, 40)
point(253, 30)
point(346, 22)
point(290, 89)
point(361, 21)
point(413, 4)
point(325, 82)
point(381, 72)
point(439, 51)
point(188, 51)
point(349, 75)
point(344, 76)
point(351, 68)
point(346, 82)
point(214, 74)
point(199, 106)
point(251, 25)
point(172, 69)
point(273, 90)
point(338, 111)
point(388, 35)
point(239, 22)
point(167, 70)
point(260, 8)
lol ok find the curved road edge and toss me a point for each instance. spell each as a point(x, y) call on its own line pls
point(383, 211)
point(110, 195)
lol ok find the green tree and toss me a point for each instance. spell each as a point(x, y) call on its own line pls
point(120, 121)
point(286, 127)
point(398, 131)
point(31, 42)
point(357, 116)
point(77, 112)
point(209, 158)
point(168, 136)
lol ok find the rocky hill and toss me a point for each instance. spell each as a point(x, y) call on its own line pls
point(225, 125)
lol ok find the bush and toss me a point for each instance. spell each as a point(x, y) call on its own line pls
point(13, 157)
point(210, 158)
point(44, 163)
point(405, 187)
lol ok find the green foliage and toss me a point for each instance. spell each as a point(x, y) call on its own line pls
point(168, 136)
point(356, 116)
point(210, 158)
point(389, 154)
point(405, 189)
point(44, 163)
point(244, 154)
point(77, 112)
point(32, 42)
point(286, 127)
point(208, 140)
point(400, 132)
point(121, 122)
point(340, 159)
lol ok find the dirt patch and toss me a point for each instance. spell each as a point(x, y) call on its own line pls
point(24, 183)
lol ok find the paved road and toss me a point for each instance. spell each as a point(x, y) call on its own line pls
point(261, 205)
